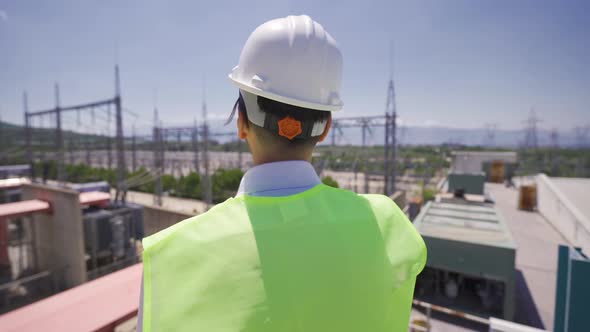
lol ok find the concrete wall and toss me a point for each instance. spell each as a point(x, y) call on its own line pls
point(59, 236)
point(562, 214)
point(156, 219)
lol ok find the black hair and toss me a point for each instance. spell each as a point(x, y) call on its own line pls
point(275, 111)
point(281, 110)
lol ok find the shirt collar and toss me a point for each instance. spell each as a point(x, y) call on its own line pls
point(278, 178)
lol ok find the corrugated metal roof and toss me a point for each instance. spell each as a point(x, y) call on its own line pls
point(90, 307)
point(474, 223)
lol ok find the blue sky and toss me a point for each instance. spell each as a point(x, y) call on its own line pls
point(457, 63)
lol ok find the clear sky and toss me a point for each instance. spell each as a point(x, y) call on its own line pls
point(456, 63)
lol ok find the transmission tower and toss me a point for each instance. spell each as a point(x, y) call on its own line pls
point(531, 138)
point(206, 178)
point(554, 137)
point(582, 133)
point(120, 144)
point(195, 145)
point(133, 150)
point(490, 138)
point(61, 175)
point(158, 159)
point(390, 139)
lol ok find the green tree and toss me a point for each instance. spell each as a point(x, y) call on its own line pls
point(190, 186)
point(225, 183)
point(329, 181)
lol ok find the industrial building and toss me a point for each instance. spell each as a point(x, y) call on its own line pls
point(471, 254)
point(496, 165)
point(488, 262)
point(489, 258)
point(57, 238)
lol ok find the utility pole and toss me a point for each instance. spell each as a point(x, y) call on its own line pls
point(71, 150)
point(109, 152)
point(390, 132)
point(88, 159)
point(355, 170)
point(158, 162)
point(367, 177)
point(206, 178)
point(554, 136)
point(531, 139)
point(121, 168)
point(178, 153)
point(133, 150)
point(364, 135)
point(365, 127)
point(490, 139)
point(195, 141)
point(390, 140)
point(28, 136)
point(59, 143)
point(582, 133)
point(334, 130)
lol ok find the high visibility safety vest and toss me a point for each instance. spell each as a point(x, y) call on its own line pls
point(322, 260)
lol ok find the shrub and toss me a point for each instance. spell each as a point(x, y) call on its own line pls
point(329, 181)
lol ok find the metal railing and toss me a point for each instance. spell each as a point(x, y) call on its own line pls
point(494, 324)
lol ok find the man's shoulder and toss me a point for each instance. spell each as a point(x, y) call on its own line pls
point(382, 205)
point(211, 222)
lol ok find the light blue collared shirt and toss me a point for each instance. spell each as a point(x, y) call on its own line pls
point(281, 178)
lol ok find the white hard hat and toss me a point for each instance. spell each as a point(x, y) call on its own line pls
point(292, 60)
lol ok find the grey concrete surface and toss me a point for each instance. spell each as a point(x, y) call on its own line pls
point(59, 235)
point(536, 255)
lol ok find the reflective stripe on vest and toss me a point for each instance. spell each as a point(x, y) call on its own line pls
point(322, 260)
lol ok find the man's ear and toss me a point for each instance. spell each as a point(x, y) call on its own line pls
point(327, 129)
point(242, 125)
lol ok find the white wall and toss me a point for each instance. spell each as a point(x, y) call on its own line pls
point(560, 211)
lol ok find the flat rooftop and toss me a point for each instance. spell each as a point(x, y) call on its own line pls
point(536, 258)
point(466, 222)
point(181, 205)
point(508, 154)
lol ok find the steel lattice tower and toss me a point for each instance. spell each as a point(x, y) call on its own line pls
point(390, 140)
point(207, 188)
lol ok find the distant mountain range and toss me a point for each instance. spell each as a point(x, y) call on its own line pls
point(471, 137)
point(436, 135)
point(407, 135)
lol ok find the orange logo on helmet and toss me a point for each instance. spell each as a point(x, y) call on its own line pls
point(289, 127)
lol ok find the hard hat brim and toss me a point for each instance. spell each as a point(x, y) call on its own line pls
point(283, 99)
